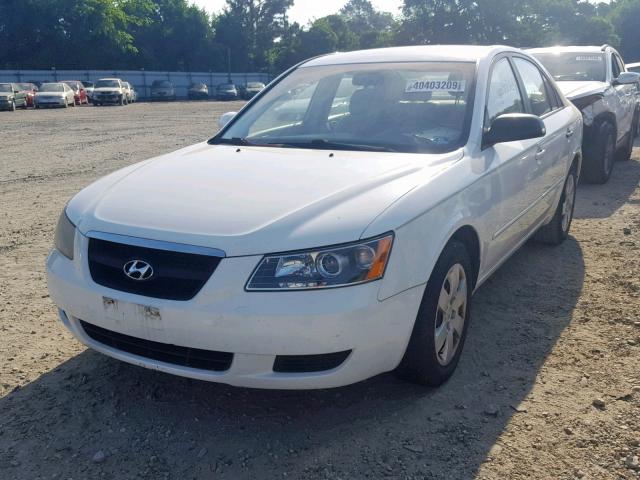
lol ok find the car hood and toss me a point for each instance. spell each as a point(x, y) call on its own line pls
point(6, 94)
point(573, 90)
point(106, 90)
point(50, 94)
point(255, 200)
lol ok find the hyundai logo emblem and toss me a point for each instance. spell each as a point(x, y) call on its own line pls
point(138, 270)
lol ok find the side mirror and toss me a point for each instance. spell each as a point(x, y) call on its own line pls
point(226, 118)
point(627, 78)
point(511, 127)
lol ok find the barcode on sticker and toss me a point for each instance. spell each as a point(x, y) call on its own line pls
point(589, 58)
point(435, 86)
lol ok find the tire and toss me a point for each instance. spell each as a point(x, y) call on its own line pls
point(624, 154)
point(599, 158)
point(557, 230)
point(423, 363)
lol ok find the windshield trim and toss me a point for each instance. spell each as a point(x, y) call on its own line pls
point(217, 139)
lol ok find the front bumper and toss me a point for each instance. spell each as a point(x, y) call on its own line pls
point(254, 326)
point(51, 102)
point(106, 98)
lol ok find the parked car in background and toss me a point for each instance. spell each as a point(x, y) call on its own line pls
point(79, 93)
point(126, 86)
point(55, 95)
point(109, 91)
point(198, 91)
point(162, 90)
point(88, 87)
point(596, 81)
point(251, 89)
point(226, 91)
point(634, 67)
point(447, 160)
point(11, 97)
point(134, 93)
point(30, 90)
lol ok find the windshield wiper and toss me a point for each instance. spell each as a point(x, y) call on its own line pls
point(323, 144)
point(240, 141)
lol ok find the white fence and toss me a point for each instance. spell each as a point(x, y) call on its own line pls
point(140, 79)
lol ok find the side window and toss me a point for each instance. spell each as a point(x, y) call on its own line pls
point(504, 94)
point(620, 63)
point(615, 67)
point(534, 86)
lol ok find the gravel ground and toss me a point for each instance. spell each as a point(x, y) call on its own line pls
point(548, 386)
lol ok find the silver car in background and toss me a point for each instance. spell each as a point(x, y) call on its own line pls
point(54, 95)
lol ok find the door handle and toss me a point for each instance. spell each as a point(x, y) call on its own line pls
point(569, 133)
point(540, 153)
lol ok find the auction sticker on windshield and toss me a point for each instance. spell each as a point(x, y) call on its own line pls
point(429, 85)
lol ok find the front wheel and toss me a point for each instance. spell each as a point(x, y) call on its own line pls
point(599, 157)
point(557, 230)
point(442, 321)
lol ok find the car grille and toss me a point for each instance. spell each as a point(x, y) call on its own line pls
point(176, 275)
point(163, 352)
point(309, 363)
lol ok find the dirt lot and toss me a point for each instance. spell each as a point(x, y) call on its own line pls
point(553, 331)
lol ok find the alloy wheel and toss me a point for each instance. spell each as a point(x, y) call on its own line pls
point(450, 314)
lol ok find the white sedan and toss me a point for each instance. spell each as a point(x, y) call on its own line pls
point(319, 249)
point(54, 95)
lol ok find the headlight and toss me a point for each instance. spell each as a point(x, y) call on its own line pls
point(337, 266)
point(65, 235)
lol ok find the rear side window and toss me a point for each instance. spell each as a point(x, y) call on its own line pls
point(504, 94)
point(615, 67)
point(620, 64)
point(534, 85)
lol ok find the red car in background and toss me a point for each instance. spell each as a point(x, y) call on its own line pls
point(29, 89)
point(79, 93)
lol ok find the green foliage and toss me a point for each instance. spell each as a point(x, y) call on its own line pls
point(257, 36)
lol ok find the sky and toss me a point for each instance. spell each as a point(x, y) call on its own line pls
point(305, 10)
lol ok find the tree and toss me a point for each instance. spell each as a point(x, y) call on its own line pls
point(625, 16)
point(250, 28)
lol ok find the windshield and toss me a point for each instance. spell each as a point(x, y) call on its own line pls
point(406, 107)
point(73, 85)
point(107, 84)
point(578, 67)
point(52, 87)
point(88, 84)
point(161, 84)
point(227, 86)
point(6, 87)
point(25, 86)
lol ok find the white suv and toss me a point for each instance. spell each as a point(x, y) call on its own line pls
point(596, 81)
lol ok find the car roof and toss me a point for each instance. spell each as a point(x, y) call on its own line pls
point(572, 49)
point(419, 53)
point(110, 78)
point(633, 65)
